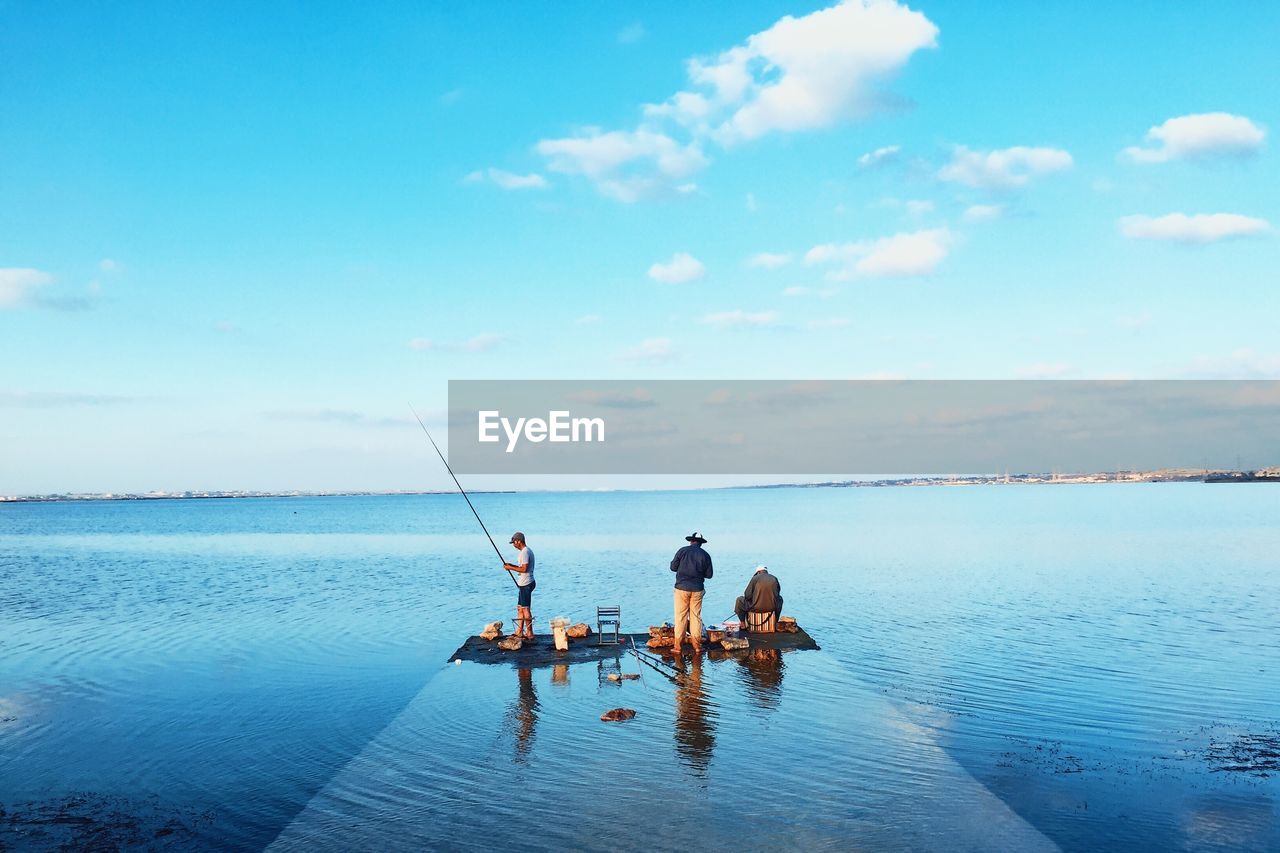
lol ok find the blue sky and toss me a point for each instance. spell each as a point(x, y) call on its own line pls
point(235, 241)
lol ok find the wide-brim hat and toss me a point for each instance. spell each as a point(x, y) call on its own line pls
point(695, 536)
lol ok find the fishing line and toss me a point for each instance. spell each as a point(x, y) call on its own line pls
point(645, 659)
point(640, 669)
point(464, 496)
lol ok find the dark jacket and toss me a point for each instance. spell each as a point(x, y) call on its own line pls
point(763, 593)
point(692, 566)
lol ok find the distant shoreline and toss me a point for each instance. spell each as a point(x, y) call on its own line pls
point(216, 495)
point(1167, 475)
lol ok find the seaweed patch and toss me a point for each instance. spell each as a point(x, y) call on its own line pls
point(91, 821)
point(1252, 753)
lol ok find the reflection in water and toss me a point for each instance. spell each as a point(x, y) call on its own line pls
point(1120, 631)
point(606, 667)
point(695, 720)
point(524, 715)
point(761, 671)
point(560, 675)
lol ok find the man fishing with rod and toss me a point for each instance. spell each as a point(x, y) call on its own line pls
point(521, 572)
point(525, 584)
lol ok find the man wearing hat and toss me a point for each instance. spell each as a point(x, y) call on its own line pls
point(525, 585)
point(762, 595)
point(692, 566)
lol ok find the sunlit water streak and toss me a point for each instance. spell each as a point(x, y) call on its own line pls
point(750, 752)
point(1069, 656)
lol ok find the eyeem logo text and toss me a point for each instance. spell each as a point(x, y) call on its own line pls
point(558, 426)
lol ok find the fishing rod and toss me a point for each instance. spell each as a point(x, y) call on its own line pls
point(464, 496)
point(645, 659)
point(641, 669)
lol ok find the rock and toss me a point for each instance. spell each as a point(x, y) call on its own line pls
point(787, 624)
point(560, 633)
point(715, 635)
point(617, 715)
point(492, 631)
point(733, 644)
point(661, 642)
point(510, 644)
point(661, 631)
point(577, 632)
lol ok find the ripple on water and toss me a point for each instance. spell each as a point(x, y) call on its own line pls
point(1078, 653)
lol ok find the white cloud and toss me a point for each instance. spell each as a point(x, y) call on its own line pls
point(479, 343)
point(508, 180)
point(801, 290)
point(1199, 136)
point(651, 350)
point(18, 286)
point(1240, 364)
point(1199, 228)
point(1006, 168)
point(624, 165)
point(802, 73)
point(1043, 370)
point(588, 319)
point(752, 206)
point(681, 268)
point(59, 399)
point(631, 33)
point(1134, 322)
point(879, 156)
point(905, 254)
point(829, 323)
point(917, 208)
point(347, 417)
point(108, 265)
point(769, 260)
point(982, 212)
point(740, 319)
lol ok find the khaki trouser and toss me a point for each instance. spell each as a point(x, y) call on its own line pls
point(689, 614)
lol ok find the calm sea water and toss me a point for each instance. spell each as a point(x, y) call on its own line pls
point(1082, 667)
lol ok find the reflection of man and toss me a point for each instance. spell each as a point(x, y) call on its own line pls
point(762, 595)
point(692, 566)
point(695, 730)
point(525, 714)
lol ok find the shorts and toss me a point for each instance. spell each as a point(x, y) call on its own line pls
point(526, 594)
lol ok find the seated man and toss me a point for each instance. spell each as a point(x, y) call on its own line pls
point(762, 595)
